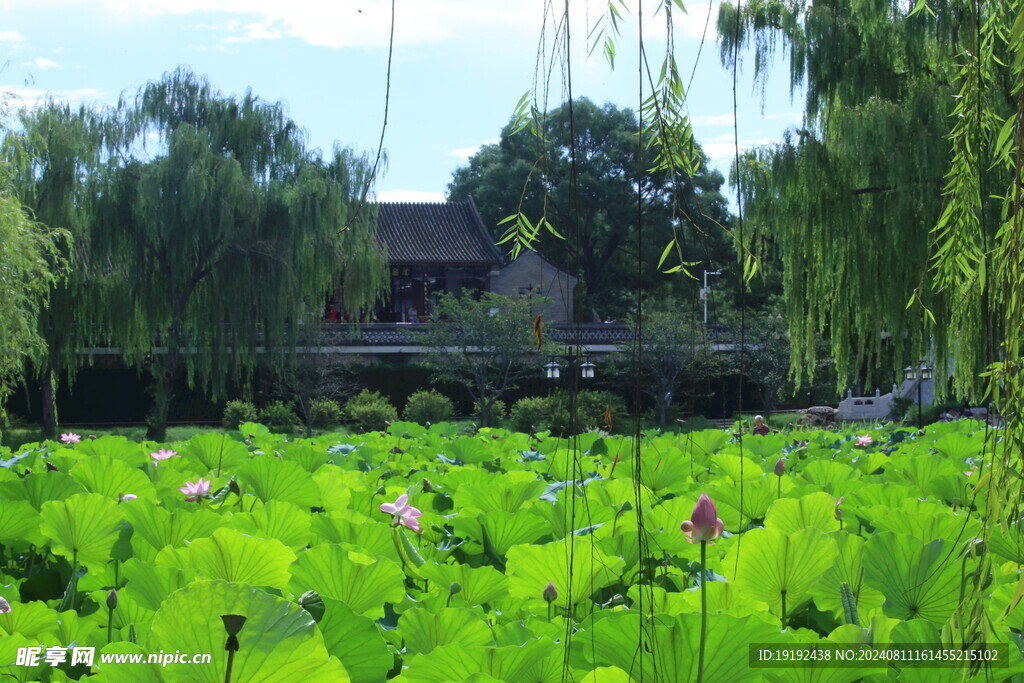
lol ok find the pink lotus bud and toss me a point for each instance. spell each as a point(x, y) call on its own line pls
point(126, 497)
point(5, 606)
point(839, 513)
point(780, 467)
point(112, 599)
point(550, 592)
point(703, 524)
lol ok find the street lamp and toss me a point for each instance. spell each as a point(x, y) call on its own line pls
point(704, 292)
point(922, 373)
point(574, 362)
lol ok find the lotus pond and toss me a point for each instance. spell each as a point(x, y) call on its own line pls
point(511, 557)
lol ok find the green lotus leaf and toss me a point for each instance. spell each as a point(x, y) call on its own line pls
point(828, 473)
point(149, 585)
point(814, 511)
point(703, 443)
point(848, 568)
point(406, 430)
point(531, 567)
point(362, 582)
point(39, 487)
point(10, 670)
point(723, 598)
point(128, 611)
point(925, 522)
point(456, 663)
point(559, 517)
point(919, 580)
point(423, 630)
point(336, 487)
point(729, 464)
point(758, 495)
point(117, 447)
point(504, 529)
point(471, 450)
point(765, 446)
point(213, 452)
point(498, 495)
point(85, 526)
point(607, 674)
point(960, 446)
point(356, 641)
point(890, 495)
point(160, 527)
point(306, 456)
point(480, 585)
point(236, 557)
point(19, 521)
point(278, 642)
point(111, 477)
point(273, 479)
point(278, 520)
point(372, 537)
point(30, 619)
point(774, 566)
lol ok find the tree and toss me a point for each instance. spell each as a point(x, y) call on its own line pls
point(486, 345)
point(676, 351)
point(229, 235)
point(31, 264)
point(54, 155)
point(582, 179)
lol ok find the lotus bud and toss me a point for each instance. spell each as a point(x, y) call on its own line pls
point(126, 497)
point(780, 467)
point(112, 599)
point(550, 592)
point(839, 512)
point(703, 524)
point(5, 606)
point(455, 588)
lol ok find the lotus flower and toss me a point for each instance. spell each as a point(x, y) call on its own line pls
point(865, 440)
point(126, 497)
point(839, 513)
point(969, 472)
point(68, 437)
point(704, 524)
point(163, 454)
point(200, 489)
point(780, 467)
point(403, 513)
point(5, 606)
point(550, 592)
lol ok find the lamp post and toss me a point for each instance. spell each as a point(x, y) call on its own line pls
point(574, 362)
point(921, 373)
point(704, 292)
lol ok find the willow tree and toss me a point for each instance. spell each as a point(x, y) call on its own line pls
point(854, 201)
point(53, 155)
point(230, 233)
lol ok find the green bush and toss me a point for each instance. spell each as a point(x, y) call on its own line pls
point(499, 411)
point(237, 412)
point(533, 412)
point(427, 407)
point(592, 407)
point(325, 414)
point(370, 411)
point(279, 417)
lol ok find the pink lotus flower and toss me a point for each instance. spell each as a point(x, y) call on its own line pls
point(970, 472)
point(126, 497)
point(163, 454)
point(839, 513)
point(200, 489)
point(704, 524)
point(5, 606)
point(68, 437)
point(403, 513)
point(780, 467)
point(865, 440)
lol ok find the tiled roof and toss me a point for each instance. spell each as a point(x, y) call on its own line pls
point(435, 233)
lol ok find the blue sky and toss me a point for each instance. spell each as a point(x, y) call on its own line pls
point(459, 66)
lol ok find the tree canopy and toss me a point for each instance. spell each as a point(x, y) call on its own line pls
point(581, 177)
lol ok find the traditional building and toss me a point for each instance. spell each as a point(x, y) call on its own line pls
point(433, 248)
point(533, 275)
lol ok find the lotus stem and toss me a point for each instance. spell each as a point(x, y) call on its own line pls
point(783, 609)
point(703, 610)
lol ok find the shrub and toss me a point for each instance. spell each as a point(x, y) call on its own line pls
point(533, 412)
point(370, 411)
point(237, 412)
point(279, 417)
point(499, 411)
point(428, 406)
point(325, 414)
point(592, 406)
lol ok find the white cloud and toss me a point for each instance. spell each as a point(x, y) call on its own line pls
point(723, 147)
point(409, 196)
point(465, 153)
point(44, 63)
point(34, 96)
point(11, 37)
point(698, 18)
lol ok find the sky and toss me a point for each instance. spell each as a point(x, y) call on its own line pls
point(458, 68)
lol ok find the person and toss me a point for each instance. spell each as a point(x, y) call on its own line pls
point(760, 428)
